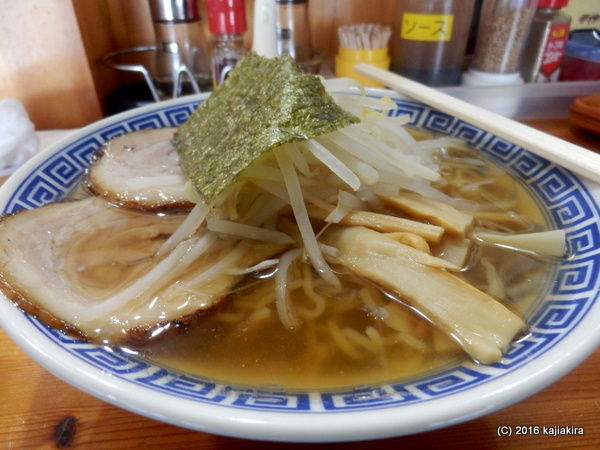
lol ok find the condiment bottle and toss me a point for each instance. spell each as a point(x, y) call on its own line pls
point(264, 40)
point(546, 42)
point(180, 56)
point(227, 22)
point(503, 28)
point(582, 56)
point(293, 34)
point(429, 40)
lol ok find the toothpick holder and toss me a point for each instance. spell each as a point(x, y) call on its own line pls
point(347, 58)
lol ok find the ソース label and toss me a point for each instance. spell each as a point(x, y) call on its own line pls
point(427, 27)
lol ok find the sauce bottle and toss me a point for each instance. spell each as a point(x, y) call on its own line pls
point(429, 39)
point(582, 56)
point(546, 42)
point(227, 22)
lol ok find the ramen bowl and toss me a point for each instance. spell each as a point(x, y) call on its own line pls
point(564, 326)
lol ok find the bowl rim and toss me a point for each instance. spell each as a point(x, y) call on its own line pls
point(326, 426)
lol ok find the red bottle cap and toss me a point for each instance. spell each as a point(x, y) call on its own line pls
point(226, 16)
point(552, 3)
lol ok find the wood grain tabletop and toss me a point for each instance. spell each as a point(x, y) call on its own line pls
point(39, 411)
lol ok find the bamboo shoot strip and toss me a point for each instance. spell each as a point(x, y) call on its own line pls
point(415, 241)
point(384, 223)
point(481, 325)
point(435, 211)
point(551, 243)
point(571, 156)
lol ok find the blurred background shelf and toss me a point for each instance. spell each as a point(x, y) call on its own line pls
point(533, 101)
point(52, 51)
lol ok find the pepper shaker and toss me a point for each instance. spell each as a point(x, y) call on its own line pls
point(503, 28)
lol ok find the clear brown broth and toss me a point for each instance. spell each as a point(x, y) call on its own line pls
point(243, 342)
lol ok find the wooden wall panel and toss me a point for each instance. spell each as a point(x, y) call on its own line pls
point(43, 63)
point(50, 50)
point(107, 26)
point(111, 25)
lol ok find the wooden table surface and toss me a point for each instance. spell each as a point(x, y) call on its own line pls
point(33, 403)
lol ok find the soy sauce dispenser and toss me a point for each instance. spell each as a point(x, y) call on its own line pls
point(227, 23)
point(182, 65)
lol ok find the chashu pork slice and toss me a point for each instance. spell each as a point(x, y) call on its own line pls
point(78, 266)
point(140, 170)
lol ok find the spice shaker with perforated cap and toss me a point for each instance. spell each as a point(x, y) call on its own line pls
point(503, 29)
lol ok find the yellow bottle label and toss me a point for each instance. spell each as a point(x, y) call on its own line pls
point(559, 32)
point(427, 27)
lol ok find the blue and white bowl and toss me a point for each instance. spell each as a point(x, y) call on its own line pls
point(565, 326)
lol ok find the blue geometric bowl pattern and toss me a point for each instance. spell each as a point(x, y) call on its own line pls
point(572, 293)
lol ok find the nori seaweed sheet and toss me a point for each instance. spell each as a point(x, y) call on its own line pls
point(264, 103)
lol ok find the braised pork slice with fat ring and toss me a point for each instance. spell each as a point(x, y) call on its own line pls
point(140, 170)
point(90, 268)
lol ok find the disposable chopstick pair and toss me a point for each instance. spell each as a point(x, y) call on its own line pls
point(573, 157)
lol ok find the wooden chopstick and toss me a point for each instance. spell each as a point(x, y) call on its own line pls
point(573, 157)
